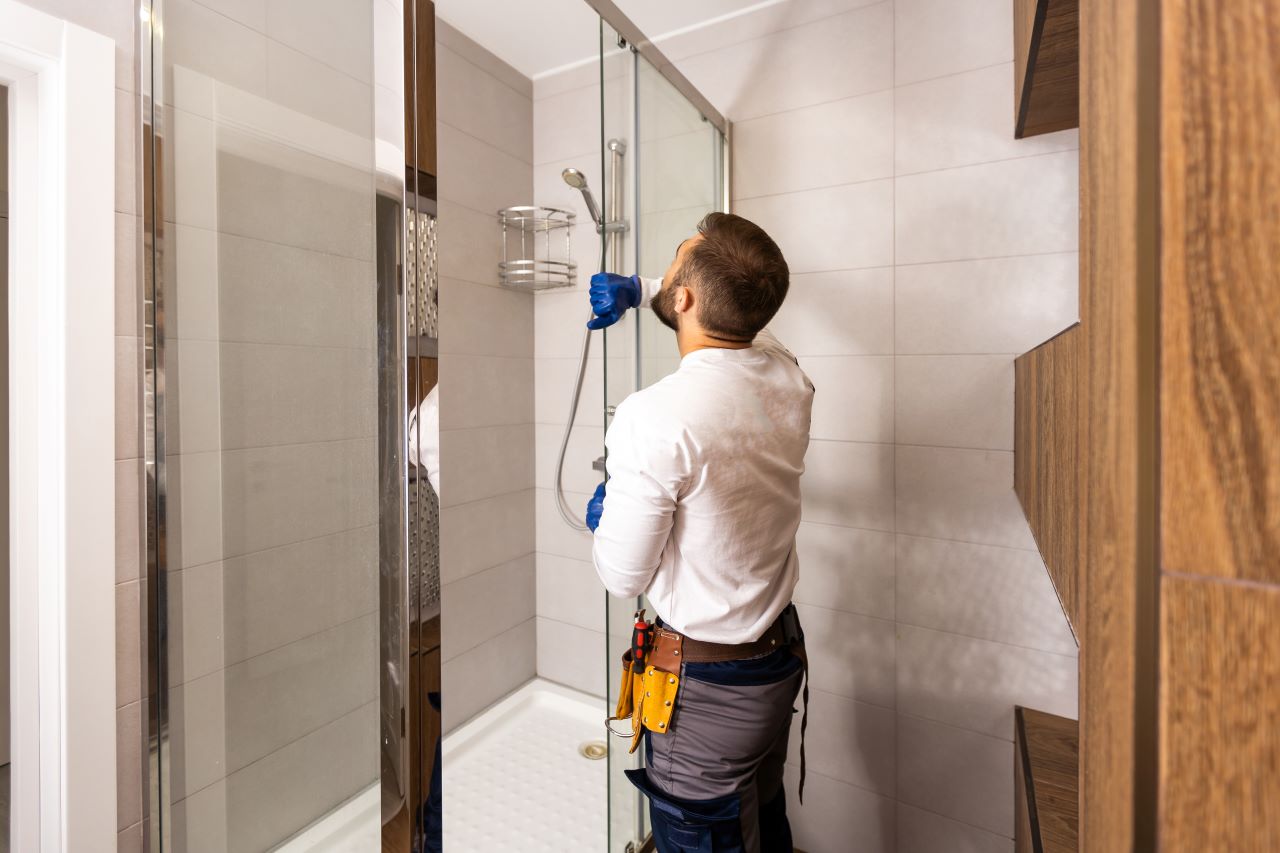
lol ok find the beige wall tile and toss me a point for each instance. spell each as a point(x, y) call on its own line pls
point(853, 398)
point(937, 37)
point(129, 514)
point(846, 569)
point(482, 105)
point(485, 320)
point(955, 773)
point(955, 401)
point(129, 766)
point(1000, 594)
point(838, 313)
point(966, 495)
point(998, 305)
point(481, 391)
point(839, 142)
point(964, 119)
point(129, 598)
point(857, 742)
point(467, 542)
point(554, 536)
point(485, 462)
point(478, 678)
point(837, 816)
point(849, 484)
point(974, 684)
point(504, 595)
point(922, 831)
point(1015, 207)
point(840, 56)
point(850, 655)
point(572, 656)
point(128, 426)
point(570, 591)
point(834, 228)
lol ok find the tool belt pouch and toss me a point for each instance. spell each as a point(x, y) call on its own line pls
point(648, 696)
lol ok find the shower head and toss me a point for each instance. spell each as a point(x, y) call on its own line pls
point(574, 178)
point(578, 181)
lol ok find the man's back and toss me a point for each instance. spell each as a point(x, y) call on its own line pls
point(704, 497)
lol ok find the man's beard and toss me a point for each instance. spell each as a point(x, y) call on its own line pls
point(663, 305)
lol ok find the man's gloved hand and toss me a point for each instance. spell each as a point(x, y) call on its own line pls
point(611, 296)
point(595, 506)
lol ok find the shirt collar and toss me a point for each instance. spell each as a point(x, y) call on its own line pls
point(720, 354)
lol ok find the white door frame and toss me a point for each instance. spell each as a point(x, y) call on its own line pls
point(61, 81)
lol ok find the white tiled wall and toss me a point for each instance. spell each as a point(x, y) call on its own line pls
point(570, 599)
point(486, 381)
point(928, 248)
point(931, 248)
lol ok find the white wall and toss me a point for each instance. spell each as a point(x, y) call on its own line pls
point(928, 248)
point(570, 599)
point(120, 22)
point(486, 381)
point(4, 426)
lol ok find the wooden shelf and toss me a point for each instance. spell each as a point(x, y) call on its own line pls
point(1046, 51)
point(1047, 780)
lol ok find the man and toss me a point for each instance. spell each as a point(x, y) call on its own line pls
point(700, 514)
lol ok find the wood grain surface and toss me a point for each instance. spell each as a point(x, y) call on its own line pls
point(420, 47)
point(1220, 392)
point(1220, 716)
point(1111, 264)
point(1046, 461)
point(1047, 79)
point(1049, 748)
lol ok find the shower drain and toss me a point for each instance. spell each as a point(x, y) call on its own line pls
point(593, 749)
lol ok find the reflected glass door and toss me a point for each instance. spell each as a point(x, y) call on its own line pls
point(262, 453)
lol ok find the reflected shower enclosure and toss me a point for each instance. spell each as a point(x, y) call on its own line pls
point(265, 671)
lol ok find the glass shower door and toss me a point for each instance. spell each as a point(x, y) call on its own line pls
point(675, 176)
point(262, 444)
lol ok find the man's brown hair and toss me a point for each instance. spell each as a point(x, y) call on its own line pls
point(739, 274)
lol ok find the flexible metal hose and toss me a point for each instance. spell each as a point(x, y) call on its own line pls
point(562, 504)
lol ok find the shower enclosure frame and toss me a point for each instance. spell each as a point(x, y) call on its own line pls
point(615, 176)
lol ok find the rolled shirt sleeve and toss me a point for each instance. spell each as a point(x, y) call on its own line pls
point(647, 470)
point(424, 437)
point(649, 288)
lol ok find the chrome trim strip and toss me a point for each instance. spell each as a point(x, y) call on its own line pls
point(614, 17)
point(156, 748)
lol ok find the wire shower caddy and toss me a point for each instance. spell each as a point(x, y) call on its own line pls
point(537, 248)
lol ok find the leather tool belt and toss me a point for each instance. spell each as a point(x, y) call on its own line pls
point(648, 692)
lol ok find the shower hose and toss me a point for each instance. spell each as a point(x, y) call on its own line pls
point(571, 518)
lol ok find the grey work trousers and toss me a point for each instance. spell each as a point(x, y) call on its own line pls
point(723, 757)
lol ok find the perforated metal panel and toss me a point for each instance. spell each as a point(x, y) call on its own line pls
point(424, 545)
point(422, 300)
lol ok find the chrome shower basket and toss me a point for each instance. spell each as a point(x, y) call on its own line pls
point(537, 248)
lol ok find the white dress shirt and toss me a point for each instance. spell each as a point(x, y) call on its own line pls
point(424, 437)
point(703, 499)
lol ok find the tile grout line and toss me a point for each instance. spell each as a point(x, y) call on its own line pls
point(896, 174)
point(485, 71)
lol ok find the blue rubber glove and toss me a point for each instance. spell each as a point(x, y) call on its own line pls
point(611, 296)
point(595, 507)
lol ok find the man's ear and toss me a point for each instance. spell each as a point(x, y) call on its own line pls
point(683, 300)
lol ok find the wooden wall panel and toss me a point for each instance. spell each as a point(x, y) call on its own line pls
point(420, 60)
point(1220, 393)
point(1220, 718)
point(1116, 262)
point(1046, 66)
point(1045, 458)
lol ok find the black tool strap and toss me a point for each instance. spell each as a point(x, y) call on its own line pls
point(799, 651)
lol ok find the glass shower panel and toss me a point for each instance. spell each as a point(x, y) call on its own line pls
point(680, 178)
point(263, 339)
point(670, 177)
